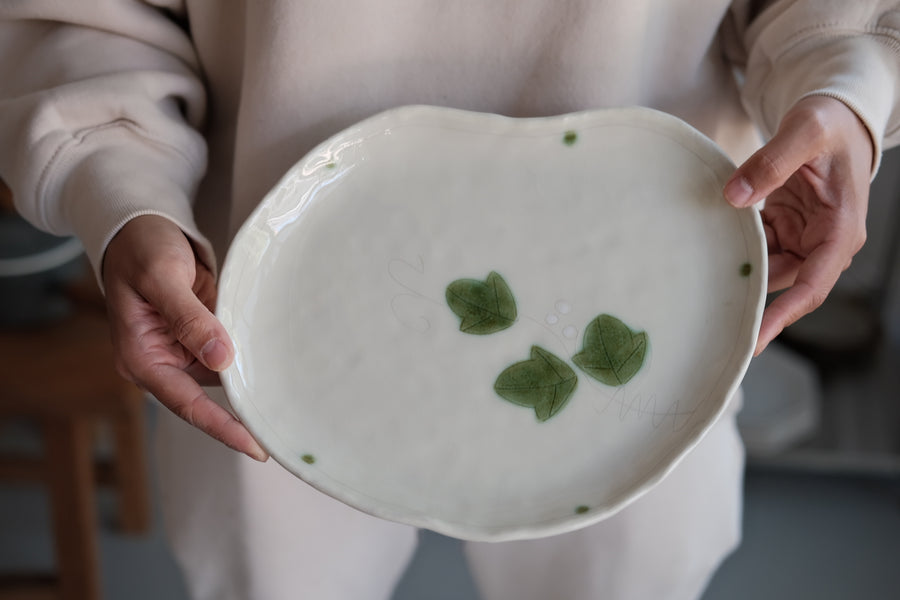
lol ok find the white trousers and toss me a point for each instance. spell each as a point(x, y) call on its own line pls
point(247, 531)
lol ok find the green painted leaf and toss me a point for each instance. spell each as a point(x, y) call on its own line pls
point(484, 306)
point(544, 382)
point(612, 353)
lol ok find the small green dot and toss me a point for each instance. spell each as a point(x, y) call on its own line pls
point(330, 165)
point(746, 269)
point(308, 459)
point(570, 137)
point(582, 509)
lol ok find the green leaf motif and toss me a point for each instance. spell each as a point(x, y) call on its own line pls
point(612, 353)
point(544, 382)
point(484, 306)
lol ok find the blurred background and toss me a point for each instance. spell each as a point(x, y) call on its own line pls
point(78, 505)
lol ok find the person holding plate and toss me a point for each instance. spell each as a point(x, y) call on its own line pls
point(151, 128)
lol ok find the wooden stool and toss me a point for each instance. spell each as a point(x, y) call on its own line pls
point(63, 377)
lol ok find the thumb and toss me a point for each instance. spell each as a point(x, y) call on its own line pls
point(797, 142)
point(195, 326)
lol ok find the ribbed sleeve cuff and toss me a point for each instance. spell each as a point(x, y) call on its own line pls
point(859, 70)
point(102, 186)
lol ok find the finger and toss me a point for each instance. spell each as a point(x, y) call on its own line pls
point(815, 279)
point(783, 270)
point(783, 265)
point(181, 394)
point(195, 326)
point(796, 143)
point(205, 377)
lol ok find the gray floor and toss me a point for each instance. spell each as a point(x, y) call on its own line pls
point(809, 536)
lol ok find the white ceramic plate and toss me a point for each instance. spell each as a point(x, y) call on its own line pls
point(352, 368)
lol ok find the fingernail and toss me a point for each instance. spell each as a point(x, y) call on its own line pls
point(738, 192)
point(214, 355)
point(258, 454)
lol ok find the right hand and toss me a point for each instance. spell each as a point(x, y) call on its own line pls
point(160, 299)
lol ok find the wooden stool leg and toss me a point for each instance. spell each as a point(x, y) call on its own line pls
point(130, 466)
point(71, 482)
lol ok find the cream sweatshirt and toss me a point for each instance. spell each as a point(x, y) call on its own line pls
point(192, 109)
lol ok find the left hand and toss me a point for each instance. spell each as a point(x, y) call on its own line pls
point(814, 175)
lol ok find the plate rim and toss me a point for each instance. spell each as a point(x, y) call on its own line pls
point(491, 123)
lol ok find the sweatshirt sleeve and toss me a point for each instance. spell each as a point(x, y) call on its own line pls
point(846, 50)
point(101, 103)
